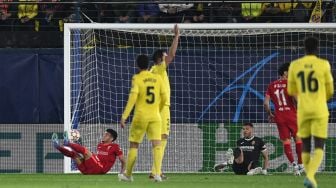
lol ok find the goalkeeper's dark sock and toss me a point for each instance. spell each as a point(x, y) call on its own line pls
point(78, 148)
point(131, 158)
point(298, 147)
point(67, 152)
point(288, 152)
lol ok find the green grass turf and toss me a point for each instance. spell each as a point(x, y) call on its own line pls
point(175, 181)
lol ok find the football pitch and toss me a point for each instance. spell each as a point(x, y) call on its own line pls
point(175, 181)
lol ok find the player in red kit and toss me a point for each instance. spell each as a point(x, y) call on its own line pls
point(90, 163)
point(284, 116)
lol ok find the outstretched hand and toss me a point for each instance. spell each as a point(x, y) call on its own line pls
point(176, 30)
point(122, 123)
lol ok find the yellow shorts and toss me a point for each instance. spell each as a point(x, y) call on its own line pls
point(165, 116)
point(140, 127)
point(317, 127)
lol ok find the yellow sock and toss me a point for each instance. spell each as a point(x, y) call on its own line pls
point(153, 168)
point(131, 158)
point(314, 164)
point(157, 159)
point(305, 160)
point(163, 148)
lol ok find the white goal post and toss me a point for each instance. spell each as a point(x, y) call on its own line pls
point(218, 80)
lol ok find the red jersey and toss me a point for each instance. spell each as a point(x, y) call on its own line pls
point(107, 154)
point(283, 103)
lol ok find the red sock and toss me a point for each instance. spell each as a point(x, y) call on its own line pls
point(288, 152)
point(67, 152)
point(298, 146)
point(78, 148)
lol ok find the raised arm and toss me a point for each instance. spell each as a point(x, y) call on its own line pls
point(163, 94)
point(172, 50)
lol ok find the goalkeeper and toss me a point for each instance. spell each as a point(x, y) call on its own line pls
point(90, 163)
point(245, 158)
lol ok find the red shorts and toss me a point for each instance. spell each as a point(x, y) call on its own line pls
point(287, 126)
point(91, 166)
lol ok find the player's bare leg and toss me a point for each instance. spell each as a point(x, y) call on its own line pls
point(240, 158)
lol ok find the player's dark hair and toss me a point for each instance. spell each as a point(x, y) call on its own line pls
point(248, 124)
point(157, 54)
point(283, 68)
point(236, 152)
point(143, 61)
point(113, 133)
point(311, 45)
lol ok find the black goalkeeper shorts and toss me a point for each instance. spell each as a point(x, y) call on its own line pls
point(242, 169)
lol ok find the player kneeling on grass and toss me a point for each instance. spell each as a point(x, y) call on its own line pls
point(87, 162)
point(246, 155)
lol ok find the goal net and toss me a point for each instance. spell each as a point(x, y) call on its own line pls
point(218, 80)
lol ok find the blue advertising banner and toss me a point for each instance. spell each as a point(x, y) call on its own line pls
point(31, 86)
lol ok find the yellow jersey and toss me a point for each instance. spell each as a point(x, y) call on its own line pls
point(310, 78)
point(288, 7)
point(252, 9)
point(146, 94)
point(161, 69)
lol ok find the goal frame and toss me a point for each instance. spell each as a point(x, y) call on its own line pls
point(204, 26)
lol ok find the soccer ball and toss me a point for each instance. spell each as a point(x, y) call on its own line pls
point(74, 135)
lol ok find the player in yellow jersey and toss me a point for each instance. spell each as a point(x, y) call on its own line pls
point(310, 79)
point(161, 62)
point(148, 95)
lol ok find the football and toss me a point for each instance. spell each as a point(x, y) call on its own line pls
point(74, 135)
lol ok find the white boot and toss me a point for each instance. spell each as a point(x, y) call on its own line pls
point(254, 171)
point(296, 169)
point(123, 177)
point(157, 178)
